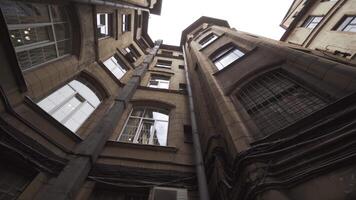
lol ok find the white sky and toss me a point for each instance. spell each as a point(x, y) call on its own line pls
point(260, 17)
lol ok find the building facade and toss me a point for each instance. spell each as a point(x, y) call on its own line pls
point(92, 108)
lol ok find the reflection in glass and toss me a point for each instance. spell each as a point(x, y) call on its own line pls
point(115, 68)
point(146, 126)
point(71, 105)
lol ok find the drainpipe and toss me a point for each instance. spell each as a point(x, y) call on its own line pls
point(110, 3)
point(200, 169)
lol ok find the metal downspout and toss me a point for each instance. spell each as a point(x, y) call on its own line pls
point(200, 169)
point(109, 3)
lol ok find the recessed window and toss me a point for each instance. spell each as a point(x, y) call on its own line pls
point(104, 24)
point(164, 63)
point(126, 23)
point(114, 66)
point(274, 101)
point(146, 126)
point(208, 40)
point(158, 81)
point(226, 56)
point(347, 24)
point(312, 21)
point(131, 53)
point(39, 33)
point(169, 53)
point(182, 86)
point(181, 67)
point(71, 105)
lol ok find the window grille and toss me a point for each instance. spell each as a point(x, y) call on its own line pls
point(146, 126)
point(39, 33)
point(274, 101)
point(71, 105)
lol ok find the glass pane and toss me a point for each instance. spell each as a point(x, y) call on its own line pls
point(62, 31)
point(344, 23)
point(160, 133)
point(64, 47)
point(129, 132)
point(26, 36)
point(85, 92)
point(58, 13)
point(156, 115)
point(228, 59)
point(22, 13)
point(145, 132)
point(79, 117)
point(56, 98)
point(137, 111)
point(33, 57)
point(113, 65)
point(66, 109)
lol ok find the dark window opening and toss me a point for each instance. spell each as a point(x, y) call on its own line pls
point(126, 22)
point(274, 101)
point(208, 40)
point(182, 86)
point(131, 53)
point(181, 67)
point(164, 63)
point(312, 21)
point(347, 24)
point(188, 134)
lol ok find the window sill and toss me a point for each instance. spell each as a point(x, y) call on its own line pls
point(142, 146)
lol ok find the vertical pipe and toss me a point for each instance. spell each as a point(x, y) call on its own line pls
point(200, 170)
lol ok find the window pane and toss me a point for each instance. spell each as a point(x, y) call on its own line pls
point(26, 36)
point(115, 68)
point(146, 132)
point(66, 109)
point(130, 130)
point(79, 117)
point(62, 31)
point(160, 133)
point(23, 13)
point(33, 57)
point(84, 91)
point(64, 47)
point(58, 13)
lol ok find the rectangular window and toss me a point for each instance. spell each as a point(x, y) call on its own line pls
point(131, 53)
point(208, 40)
point(348, 24)
point(170, 53)
point(157, 81)
point(164, 63)
point(312, 21)
point(146, 126)
point(226, 57)
point(139, 21)
point(115, 68)
point(181, 67)
point(182, 86)
point(126, 22)
point(104, 24)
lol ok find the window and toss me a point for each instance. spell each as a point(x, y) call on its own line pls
point(348, 24)
point(164, 63)
point(158, 81)
point(169, 53)
point(71, 105)
point(39, 33)
point(104, 24)
point(275, 101)
point(208, 40)
point(139, 22)
point(131, 53)
point(227, 56)
point(126, 23)
point(115, 68)
point(182, 86)
point(181, 67)
point(146, 126)
point(312, 21)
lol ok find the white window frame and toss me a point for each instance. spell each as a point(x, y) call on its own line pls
point(140, 126)
point(160, 82)
point(116, 65)
point(40, 44)
point(126, 20)
point(103, 27)
point(65, 102)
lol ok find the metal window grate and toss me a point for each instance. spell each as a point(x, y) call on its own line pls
point(275, 101)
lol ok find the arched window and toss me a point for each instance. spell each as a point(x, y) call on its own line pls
point(71, 105)
point(274, 101)
point(39, 33)
point(146, 125)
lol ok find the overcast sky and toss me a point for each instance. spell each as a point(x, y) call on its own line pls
point(260, 17)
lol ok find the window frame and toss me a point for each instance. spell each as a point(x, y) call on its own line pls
point(110, 24)
point(140, 124)
point(208, 39)
point(167, 81)
point(162, 63)
point(341, 22)
point(45, 43)
point(64, 102)
point(310, 20)
point(131, 53)
point(126, 23)
point(225, 50)
point(121, 66)
point(292, 79)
